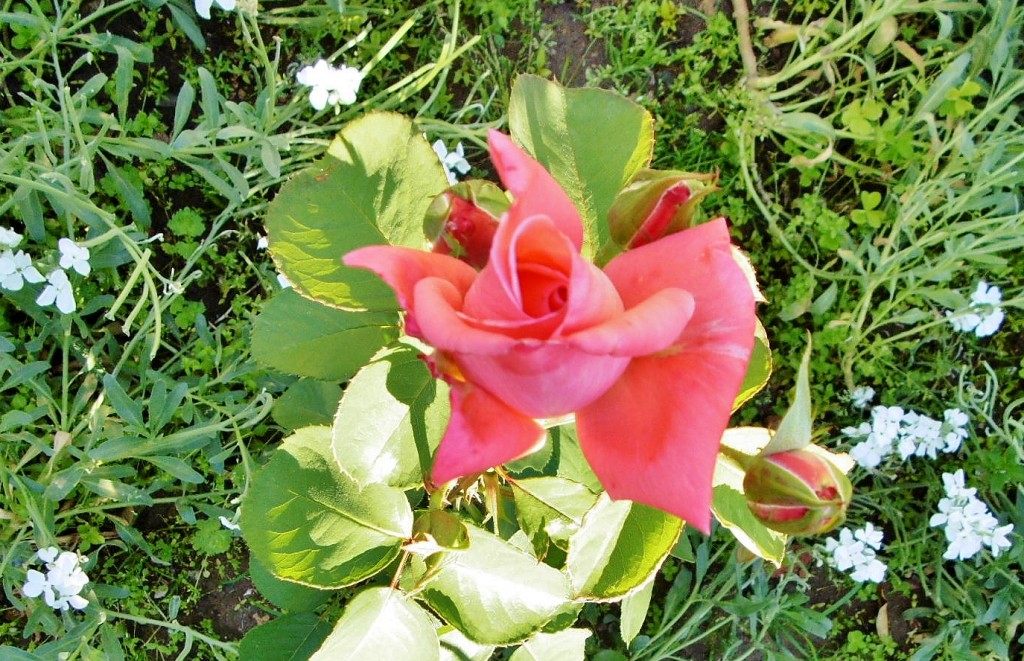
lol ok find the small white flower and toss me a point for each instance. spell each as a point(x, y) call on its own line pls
point(58, 290)
point(997, 539)
point(9, 238)
point(48, 554)
point(969, 525)
point(870, 536)
point(986, 295)
point(873, 570)
point(964, 323)
point(330, 85)
point(985, 315)
point(74, 256)
point(990, 323)
point(63, 582)
point(228, 523)
point(866, 454)
point(855, 550)
point(16, 269)
point(862, 396)
point(262, 243)
point(455, 163)
point(955, 417)
point(203, 6)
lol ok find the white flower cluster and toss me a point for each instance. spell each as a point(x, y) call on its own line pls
point(856, 550)
point(16, 269)
point(62, 583)
point(969, 524)
point(985, 316)
point(454, 162)
point(907, 433)
point(330, 85)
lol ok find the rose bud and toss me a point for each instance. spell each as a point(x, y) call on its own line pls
point(656, 204)
point(462, 220)
point(797, 492)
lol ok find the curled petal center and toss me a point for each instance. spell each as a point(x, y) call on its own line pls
point(544, 290)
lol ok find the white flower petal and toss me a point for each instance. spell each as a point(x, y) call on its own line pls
point(9, 238)
point(35, 583)
point(48, 554)
point(203, 7)
point(990, 323)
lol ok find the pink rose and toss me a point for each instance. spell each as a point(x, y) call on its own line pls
point(648, 353)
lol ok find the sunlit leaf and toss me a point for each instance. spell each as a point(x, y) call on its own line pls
point(308, 522)
point(391, 418)
point(373, 187)
point(381, 623)
point(495, 593)
point(302, 337)
point(618, 548)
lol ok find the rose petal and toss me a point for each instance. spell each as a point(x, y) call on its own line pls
point(442, 326)
point(647, 328)
point(482, 432)
point(535, 190)
point(402, 268)
point(654, 436)
point(543, 379)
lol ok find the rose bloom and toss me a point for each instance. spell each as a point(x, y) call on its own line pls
point(649, 353)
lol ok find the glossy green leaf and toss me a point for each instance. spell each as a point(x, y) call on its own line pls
point(495, 593)
point(287, 596)
point(309, 523)
point(302, 337)
point(381, 623)
point(287, 638)
point(307, 402)
point(619, 547)
point(373, 187)
point(591, 140)
point(567, 645)
point(551, 508)
point(391, 418)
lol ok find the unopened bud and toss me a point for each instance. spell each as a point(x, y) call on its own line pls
point(656, 204)
point(462, 220)
point(797, 492)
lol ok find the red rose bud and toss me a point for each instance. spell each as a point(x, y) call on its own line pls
point(462, 220)
point(797, 492)
point(656, 204)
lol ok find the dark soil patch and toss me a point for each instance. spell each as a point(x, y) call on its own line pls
point(574, 51)
point(230, 602)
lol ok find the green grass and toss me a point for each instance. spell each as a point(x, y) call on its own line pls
point(870, 161)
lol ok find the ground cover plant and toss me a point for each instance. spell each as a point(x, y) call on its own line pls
point(867, 156)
